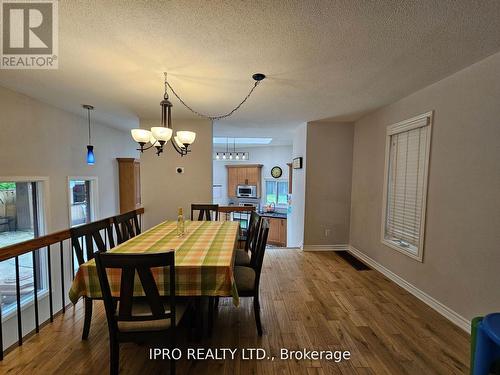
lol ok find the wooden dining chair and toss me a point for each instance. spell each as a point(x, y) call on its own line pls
point(148, 318)
point(242, 256)
point(248, 279)
point(90, 235)
point(126, 226)
point(205, 212)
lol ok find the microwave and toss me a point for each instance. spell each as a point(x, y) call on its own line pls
point(246, 191)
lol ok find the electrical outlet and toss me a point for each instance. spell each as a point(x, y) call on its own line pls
point(327, 232)
point(179, 170)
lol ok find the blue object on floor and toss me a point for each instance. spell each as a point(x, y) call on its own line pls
point(487, 344)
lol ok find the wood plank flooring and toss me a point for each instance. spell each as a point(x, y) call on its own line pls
point(309, 300)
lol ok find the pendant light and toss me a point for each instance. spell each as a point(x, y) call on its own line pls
point(90, 148)
point(159, 135)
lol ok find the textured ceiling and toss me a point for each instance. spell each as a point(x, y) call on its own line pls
point(324, 59)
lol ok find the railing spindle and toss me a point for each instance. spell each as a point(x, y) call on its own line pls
point(51, 303)
point(35, 291)
point(61, 251)
point(18, 302)
point(72, 264)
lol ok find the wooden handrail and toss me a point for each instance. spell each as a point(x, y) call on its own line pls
point(43, 241)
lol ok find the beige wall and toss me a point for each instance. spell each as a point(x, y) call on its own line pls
point(163, 190)
point(328, 183)
point(40, 140)
point(462, 245)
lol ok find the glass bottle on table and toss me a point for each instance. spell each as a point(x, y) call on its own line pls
point(180, 223)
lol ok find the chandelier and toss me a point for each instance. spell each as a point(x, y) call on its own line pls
point(158, 136)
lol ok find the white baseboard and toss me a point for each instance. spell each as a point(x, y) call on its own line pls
point(341, 247)
point(445, 311)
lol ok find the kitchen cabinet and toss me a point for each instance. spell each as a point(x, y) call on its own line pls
point(277, 232)
point(129, 171)
point(243, 174)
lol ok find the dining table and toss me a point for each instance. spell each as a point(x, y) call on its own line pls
point(204, 260)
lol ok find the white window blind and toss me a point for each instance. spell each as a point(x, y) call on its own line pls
point(406, 184)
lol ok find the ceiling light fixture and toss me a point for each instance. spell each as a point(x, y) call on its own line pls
point(230, 155)
point(159, 135)
point(90, 148)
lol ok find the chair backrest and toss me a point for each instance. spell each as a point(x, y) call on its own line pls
point(205, 212)
point(252, 231)
point(126, 226)
point(130, 264)
point(91, 233)
point(260, 249)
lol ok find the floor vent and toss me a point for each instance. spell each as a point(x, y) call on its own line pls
point(353, 261)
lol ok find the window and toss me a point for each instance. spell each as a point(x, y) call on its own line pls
point(21, 219)
point(405, 188)
point(277, 192)
point(82, 203)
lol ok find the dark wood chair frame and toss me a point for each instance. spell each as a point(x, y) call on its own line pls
point(260, 249)
point(126, 226)
point(253, 233)
point(250, 245)
point(205, 211)
point(129, 265)
point(91, 233)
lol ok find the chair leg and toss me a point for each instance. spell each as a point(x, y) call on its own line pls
point(114, 356)
point(217, 303)
point(210, 315)
point(172, 367)
point(87, 319)
point(256, 310)
point(198, 316)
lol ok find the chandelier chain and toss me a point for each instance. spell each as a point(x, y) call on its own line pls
point(215, 117)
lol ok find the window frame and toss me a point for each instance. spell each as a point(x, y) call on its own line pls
point(276, 181)
point(94, 196)
point(43, 209)
point(425, 119)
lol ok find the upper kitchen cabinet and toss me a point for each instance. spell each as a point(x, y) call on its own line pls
point(243, 174)
point(130, 184)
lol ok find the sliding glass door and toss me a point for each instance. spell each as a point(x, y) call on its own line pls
point(21, 219)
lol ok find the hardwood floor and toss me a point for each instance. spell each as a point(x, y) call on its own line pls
point(309, 300)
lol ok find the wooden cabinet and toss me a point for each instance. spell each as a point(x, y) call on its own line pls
point(253, 176)
point(232, 182)
point(243, 174)
point(277, 232)
point(129, 170)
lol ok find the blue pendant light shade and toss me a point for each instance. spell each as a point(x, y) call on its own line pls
point(90, 155)
point(90, 148)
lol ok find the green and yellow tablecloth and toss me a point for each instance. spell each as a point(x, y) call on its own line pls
point(204, 258)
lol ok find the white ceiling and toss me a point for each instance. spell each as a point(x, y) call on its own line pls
point(324, 59)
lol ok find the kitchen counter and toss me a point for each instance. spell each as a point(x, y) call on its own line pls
point(275, 215)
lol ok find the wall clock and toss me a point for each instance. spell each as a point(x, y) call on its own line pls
point(276, 172)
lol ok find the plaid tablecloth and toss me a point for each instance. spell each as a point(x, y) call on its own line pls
point(204, 259)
